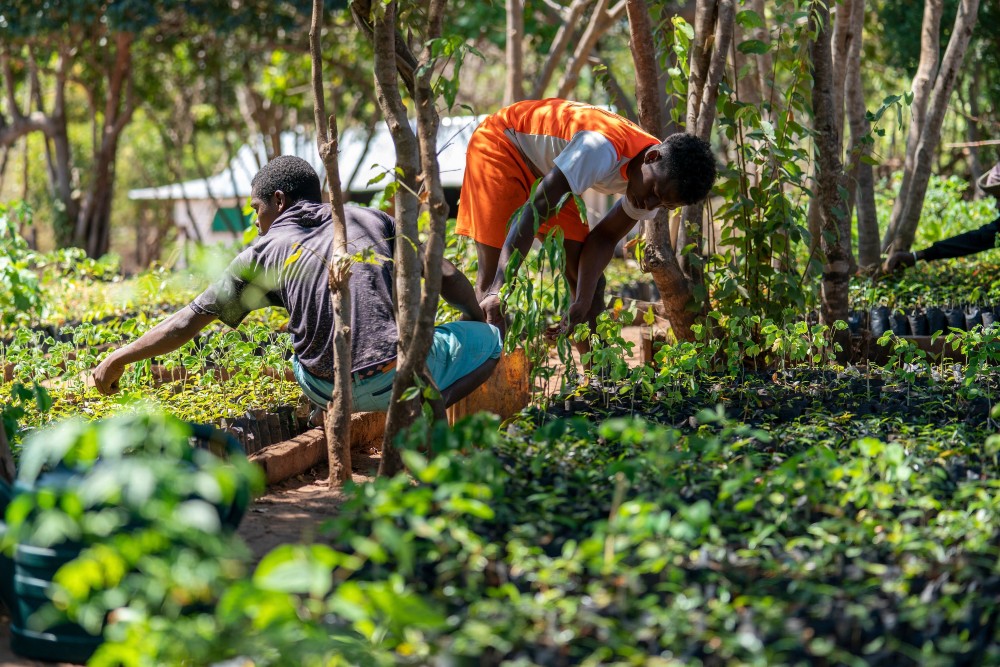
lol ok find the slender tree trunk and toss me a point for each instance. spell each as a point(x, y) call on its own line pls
point(764, 62)
point(407, 261)
point(600, 22)
point(972, 129)
point(659, 258)
point(840, 44)
point(514, 90)
point(905, 226)
point(836, 236)
point(559, 47)
point(433, 196)
point(860, 172)
point(338, 411)
point(648, 91)
point(93, 223)
point(923, 82)
point(701, 117)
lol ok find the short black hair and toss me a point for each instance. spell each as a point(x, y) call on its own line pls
point(687, 162)
point(292, 175)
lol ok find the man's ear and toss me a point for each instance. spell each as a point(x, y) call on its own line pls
point(280, 201)
point(652, 155)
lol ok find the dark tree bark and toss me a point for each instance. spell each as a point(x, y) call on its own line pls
point(860, 176)
point(338, 415)
point(659, 258)
point(835, 224)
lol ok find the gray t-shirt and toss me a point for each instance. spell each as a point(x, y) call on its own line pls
point(265, 274)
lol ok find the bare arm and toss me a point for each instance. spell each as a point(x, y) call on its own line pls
point(165, 337)
point(550, 191)
point(595, 256)
point(458, 291)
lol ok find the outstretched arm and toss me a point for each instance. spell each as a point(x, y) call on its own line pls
point(549, 193)
point(458, 291)
point(595, 256)
point(165, 337)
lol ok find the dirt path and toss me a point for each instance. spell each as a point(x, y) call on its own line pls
point(293, 511)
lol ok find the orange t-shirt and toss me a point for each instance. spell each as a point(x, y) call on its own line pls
point(590, 145)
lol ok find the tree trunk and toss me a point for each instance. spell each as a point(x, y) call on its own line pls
point(711, 66)
point(659, 258)
point(514, 90)
point(93, 226)
point(972, 129)
point(905, 226)
point(836, 232)
point(840, 44)
point(433, 195)
point(860, 173)
point(559, 47)
point(764, 62)
point(407, 263)
point(338, 411)
point(648, 90)
point(923, 81)
point(600, 22)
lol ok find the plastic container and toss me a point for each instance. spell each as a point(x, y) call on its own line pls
point(955, 318)
point(879, 320)
point(973, 318)
point(936, 320)
point(899, 323)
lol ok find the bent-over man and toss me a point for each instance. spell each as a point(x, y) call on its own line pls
point(292, 220)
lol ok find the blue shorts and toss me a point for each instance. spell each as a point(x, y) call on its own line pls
point(458, 349)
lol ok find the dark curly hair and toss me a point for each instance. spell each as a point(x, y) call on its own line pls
point(292, 175)
point(687, 162)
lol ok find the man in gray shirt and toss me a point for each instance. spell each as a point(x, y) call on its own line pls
point(286, 266)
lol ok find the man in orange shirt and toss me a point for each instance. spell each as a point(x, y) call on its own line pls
point(571, 147)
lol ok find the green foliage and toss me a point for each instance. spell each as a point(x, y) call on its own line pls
point(145, 510)
point(20, 294)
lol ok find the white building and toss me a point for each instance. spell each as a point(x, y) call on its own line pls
point(210, 209)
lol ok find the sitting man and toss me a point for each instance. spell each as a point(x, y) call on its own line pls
point(571, 147)
point(960, 245)
point(286, 267)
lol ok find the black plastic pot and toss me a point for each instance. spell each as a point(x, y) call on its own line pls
point(955, 318)
point(855, 321)
point(919, 326)
point(989, 316)
point(936, 320)
point(899, 323)
point(973, 317)
point(878, 320)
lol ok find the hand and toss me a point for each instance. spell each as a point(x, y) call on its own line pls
point(107, 374)
point(897, 261)
point(493, 310)
point(577, 315)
